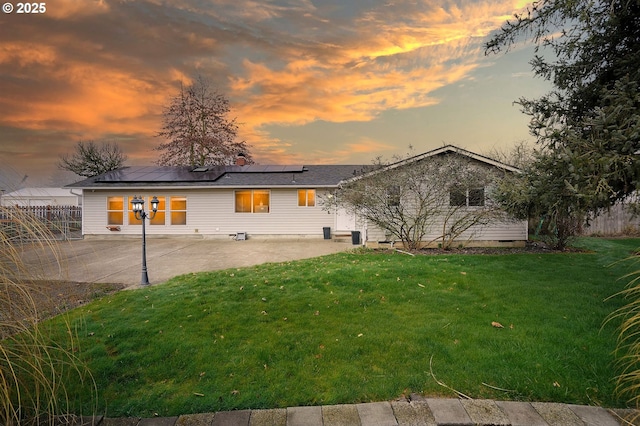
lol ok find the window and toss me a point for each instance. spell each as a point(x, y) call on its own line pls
point(159, 218)
point(131, 215)
point(393, 196)
point(243, 202)
point(178, 210)
point(459, 197)
point(252, 201)
point(306, 197)
point(115, 210)
point(476, 197)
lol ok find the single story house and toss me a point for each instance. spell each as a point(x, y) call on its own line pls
point(39, 197)
point(241, 201)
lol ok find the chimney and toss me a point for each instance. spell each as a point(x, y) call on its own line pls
point(241, 160)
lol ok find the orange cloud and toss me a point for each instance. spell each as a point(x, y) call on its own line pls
point(76, 8)
point(391, 62)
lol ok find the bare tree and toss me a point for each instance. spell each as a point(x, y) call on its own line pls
point(443, 197)
point(90, 159)
point(520, 155)
point(198, 129)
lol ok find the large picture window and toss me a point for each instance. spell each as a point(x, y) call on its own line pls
point(306, 197)
point(115, 210)
point(252, 201)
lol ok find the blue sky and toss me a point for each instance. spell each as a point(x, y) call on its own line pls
point(310, 82)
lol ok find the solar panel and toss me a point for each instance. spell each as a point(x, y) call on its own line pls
point(187, 174)
point(257, 168)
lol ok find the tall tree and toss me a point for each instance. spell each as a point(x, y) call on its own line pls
point(90, 159)
point(588, 126)
point(198, 129)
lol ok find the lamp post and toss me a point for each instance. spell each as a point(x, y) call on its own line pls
point(137, 205)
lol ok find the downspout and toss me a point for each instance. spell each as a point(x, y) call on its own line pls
point(81, 197)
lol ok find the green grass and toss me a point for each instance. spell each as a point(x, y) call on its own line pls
point(361, 326)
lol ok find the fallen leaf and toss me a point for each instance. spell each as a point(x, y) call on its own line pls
point(463, 273)
point(497, 324)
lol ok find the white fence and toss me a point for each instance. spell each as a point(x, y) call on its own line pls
point(63, 222)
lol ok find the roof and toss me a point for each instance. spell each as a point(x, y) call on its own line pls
point(222, 176)
point(450, 149)
point(253, 175)
point(39, 192)
point(447, 149)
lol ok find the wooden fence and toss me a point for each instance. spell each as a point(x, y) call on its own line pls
point(618, 221)
point(63, 222)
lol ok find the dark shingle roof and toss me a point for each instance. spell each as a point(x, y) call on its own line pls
point(222, 176)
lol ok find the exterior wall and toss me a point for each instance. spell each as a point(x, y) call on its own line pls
point(498, 233)
point(211, 213)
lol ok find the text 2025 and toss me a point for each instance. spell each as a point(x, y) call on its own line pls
point(31, 7)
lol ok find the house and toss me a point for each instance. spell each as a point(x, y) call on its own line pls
point(257, 201)
point(215, 201)
point(441, 198)
point(38, 197)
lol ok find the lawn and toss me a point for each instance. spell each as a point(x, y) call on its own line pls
point(361, 326)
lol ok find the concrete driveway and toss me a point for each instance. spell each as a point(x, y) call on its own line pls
point(119, 260)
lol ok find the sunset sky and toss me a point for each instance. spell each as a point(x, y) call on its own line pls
point(309, 81)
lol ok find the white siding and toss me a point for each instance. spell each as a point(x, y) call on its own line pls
point(211, 212)
point(496, 232)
